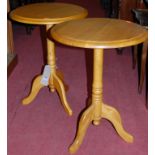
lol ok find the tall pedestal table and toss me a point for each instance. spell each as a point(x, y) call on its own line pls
point(99, 34)
point(48, 14)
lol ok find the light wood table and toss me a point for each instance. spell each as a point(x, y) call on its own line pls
point(99, 34)
point(48, 14)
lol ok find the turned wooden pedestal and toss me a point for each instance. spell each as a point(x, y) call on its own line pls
point(98, 109)
point(55, 82)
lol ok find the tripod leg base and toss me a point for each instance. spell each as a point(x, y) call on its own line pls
point(88, 116)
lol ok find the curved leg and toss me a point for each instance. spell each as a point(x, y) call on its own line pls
point(84, 122)
point(36, 86)
point(60, 75)
point(58, 84)
point(113, 116)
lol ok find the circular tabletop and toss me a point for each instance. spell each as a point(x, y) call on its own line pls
point(99, 33)
point(47, 13)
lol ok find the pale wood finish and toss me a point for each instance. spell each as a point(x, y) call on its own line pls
point(49, 14)
point(36, 86)
point(107, 33)
point(99, 34)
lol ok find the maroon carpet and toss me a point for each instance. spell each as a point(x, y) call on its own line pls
point(43, 127)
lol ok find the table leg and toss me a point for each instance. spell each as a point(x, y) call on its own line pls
point(98, 110)
point(36, 86)
point(143, 65)
point(55, 81)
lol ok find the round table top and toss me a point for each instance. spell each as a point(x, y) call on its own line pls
point(47, 13)
point(99, 33)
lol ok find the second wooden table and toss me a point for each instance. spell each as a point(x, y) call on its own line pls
point(99, 34)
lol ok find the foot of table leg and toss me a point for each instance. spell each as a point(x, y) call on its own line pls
point(84, 122)
point(36, 86)
point(113, 116)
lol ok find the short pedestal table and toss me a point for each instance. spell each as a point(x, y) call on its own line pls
point(48, 14)
point(99, 34)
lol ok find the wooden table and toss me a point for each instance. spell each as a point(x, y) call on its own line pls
point(99, 34)
point(48, 14)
